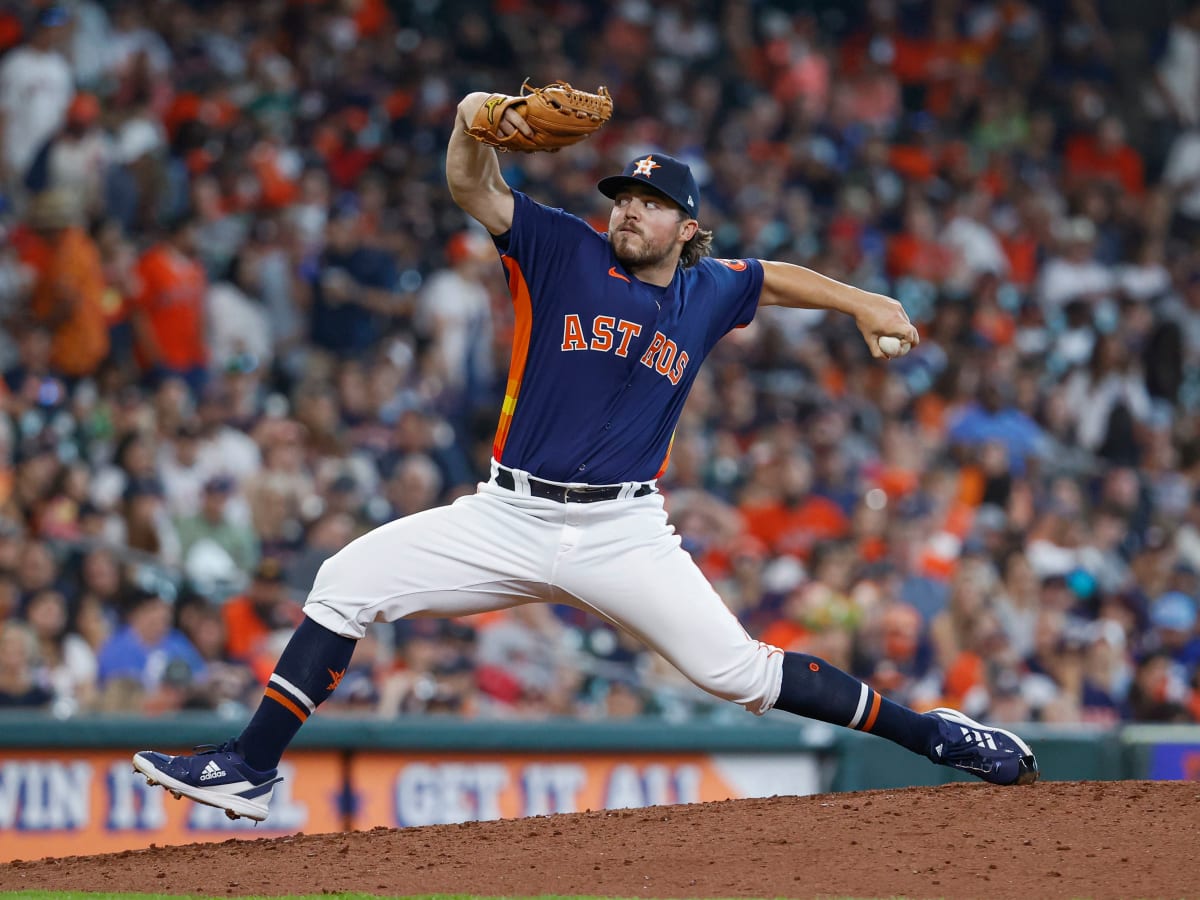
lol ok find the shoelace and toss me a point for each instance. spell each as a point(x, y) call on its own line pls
point(205, 749)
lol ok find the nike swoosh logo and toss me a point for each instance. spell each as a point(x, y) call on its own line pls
point(612, 270)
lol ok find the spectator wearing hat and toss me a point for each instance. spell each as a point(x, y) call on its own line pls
point(182, 470)
point(36, 86)
point(1173, 618)
point(212, 525)
point(76, 158)
point(68, 293)
point(1074, 273)
point(453, 312)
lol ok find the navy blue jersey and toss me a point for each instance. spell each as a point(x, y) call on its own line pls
point(602, 362)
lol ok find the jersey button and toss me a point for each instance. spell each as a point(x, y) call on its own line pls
point(584, 466)
point(607, 425)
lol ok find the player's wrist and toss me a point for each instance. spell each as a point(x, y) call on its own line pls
point(469, 105)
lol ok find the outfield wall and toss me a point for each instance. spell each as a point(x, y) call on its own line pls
point(66, 787)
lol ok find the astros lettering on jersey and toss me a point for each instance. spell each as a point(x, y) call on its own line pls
point(602, 362)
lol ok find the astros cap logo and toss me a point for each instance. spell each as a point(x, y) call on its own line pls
point(645, 166)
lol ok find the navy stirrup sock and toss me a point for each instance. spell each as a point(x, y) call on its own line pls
point(311, 667)
point(815, 689)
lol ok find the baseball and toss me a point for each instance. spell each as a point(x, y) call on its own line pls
point(893, 346)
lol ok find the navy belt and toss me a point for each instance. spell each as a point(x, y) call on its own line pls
point(563, 494)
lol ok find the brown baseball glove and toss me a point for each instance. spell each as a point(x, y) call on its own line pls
point(558, 114)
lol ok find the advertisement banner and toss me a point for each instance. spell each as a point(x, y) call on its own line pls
point(56, 802)
point(398, 790)
point(1175, 762)
point(59, 802)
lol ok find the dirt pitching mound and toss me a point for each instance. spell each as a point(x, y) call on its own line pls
point(1050, 840)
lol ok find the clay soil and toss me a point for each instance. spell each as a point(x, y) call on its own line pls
point(1050, 840)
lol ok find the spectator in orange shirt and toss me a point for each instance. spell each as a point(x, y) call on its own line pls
point(69, 291)
point(251, 618)
point(168, 314)
point(917, 252)
point(780, 509)
point(1107, 157)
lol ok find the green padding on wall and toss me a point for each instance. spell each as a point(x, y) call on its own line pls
point(748, 735)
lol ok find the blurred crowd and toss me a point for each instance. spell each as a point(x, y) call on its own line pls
point(243, 322)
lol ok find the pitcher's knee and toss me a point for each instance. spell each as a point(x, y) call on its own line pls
point(751, 679)
point(335, 600)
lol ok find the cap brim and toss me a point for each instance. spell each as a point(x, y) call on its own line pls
point(613, 184)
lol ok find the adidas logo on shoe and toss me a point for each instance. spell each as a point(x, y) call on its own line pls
point(981, 738)
point(211, 771)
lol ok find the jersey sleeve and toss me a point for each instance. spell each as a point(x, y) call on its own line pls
point(543, 242)
point(738, 283)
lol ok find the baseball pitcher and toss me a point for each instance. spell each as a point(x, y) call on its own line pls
point(611, 329)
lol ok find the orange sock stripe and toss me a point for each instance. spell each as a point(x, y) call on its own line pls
point(876, 702)
point(287, 703)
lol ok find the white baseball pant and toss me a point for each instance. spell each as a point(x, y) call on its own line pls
point(499, 548)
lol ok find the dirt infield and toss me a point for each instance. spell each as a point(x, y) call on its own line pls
point(1051, 840)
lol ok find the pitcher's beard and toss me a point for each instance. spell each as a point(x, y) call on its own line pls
point(646, 256)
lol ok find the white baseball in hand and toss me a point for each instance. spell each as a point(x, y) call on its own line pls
point(892, 346)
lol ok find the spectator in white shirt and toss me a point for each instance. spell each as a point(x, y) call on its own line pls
point(974, 241)
point(238, 322)
point(1112, 380)
point(36, 86)
point(454, 312)
point(1181, 177)
point(1175, 84)
point(1074, 273)
point(77, 158)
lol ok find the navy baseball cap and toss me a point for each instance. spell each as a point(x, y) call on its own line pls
point(52, 17)
point(664, 173)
